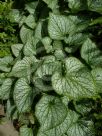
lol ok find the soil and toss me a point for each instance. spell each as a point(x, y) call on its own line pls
point(6, 128)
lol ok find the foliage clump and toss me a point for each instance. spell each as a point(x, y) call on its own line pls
point(52, 83)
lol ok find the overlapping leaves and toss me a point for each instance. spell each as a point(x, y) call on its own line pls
point(55, 74)
point(49, 109)
point(77, 81)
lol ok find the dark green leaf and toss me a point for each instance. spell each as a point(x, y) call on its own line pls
point(25, 131)
point(91, 54)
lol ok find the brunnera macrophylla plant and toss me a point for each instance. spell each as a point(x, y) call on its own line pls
point(53, 79)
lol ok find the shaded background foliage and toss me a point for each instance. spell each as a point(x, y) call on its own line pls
point(8, 28)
